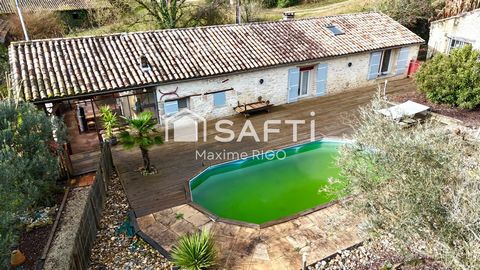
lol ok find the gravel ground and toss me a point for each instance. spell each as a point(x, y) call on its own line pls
point(374, 255)
point(114, 248)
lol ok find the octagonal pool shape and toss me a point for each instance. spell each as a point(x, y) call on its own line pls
point(262, 190)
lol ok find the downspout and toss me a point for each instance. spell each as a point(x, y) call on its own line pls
point(22, 22)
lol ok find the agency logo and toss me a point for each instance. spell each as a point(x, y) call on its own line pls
point(186, 126)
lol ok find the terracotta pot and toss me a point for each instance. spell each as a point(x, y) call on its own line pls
point(17, 258)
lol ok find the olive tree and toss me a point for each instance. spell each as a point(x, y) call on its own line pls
point(28, 166)
point(420, 186)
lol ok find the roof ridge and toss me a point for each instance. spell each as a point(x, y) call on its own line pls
point(22, 42)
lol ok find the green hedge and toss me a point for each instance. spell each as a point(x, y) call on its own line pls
point(452, 79)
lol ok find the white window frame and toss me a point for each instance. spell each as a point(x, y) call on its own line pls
point(457, 44)
point(301, 81)
point(385, 73)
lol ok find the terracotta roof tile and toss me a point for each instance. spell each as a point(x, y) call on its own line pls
point(53, 68)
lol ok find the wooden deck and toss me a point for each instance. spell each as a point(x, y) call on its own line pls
point(178, 162)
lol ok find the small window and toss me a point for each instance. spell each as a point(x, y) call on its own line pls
point(173, 106)
point(219, 99)
point(182, 103)
point(304, 83)
point(385, 66)
point(335, 30)
point(144, 63)
point(456, 44)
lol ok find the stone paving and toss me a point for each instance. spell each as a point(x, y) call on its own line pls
point(277, 247)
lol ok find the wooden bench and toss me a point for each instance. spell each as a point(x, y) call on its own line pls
point(248, 108)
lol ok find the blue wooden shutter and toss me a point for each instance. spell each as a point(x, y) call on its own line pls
point(322, 79)
point(170, 107)
point(402, 62)
point(293, 81)
point(219, 99)
point(374, 65)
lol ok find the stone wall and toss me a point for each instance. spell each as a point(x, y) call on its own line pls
point(247, 87)
point(465, 26)
point(79, 223)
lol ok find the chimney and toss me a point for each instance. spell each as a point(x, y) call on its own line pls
point(288, 15)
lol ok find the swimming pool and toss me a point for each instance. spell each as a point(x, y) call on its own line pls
point(261, 189)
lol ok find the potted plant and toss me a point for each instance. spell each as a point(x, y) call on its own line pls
point(110, 121)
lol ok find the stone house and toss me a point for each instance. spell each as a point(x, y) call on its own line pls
point(209, 70)
point(454, 32)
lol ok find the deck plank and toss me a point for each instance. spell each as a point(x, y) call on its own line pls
point(176, 162)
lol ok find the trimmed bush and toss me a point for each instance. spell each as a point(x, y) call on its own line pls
point(195, 251)
point(452, 79)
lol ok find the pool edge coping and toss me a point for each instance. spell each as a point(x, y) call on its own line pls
point(216, 218)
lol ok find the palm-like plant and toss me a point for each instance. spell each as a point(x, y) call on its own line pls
point(109, 119)
point(195, 251)
point(141, 132)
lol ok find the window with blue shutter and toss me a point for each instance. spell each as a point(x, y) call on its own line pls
point(374, 65)
point(321, 79)
point(293, 84)
point(219, 99)
point(402, 62)
point(170, 107)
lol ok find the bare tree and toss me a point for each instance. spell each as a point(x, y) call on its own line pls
point(455, 7)
point(167, 13)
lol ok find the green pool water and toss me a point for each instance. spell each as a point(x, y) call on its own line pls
point(258, 190)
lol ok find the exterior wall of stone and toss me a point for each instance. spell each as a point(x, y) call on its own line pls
point(464, 26)
point(247, 87)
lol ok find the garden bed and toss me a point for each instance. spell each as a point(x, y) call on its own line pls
point(468, 117)
point(116, 246)
point(32, 243)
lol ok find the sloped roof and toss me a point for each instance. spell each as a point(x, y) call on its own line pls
point(8, 6)
point(52, 68)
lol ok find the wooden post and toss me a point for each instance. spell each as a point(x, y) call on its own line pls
point(96, 123)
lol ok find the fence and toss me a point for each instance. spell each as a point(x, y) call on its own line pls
point(88, 222)
point(93, 212)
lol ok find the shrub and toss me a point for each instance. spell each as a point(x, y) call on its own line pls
point(269, 3)
point(195, 251)
point(39, 24)
point(421, 186)
point(28, 167)
point(452, 79)
point(287, 3)
point(109, 120)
